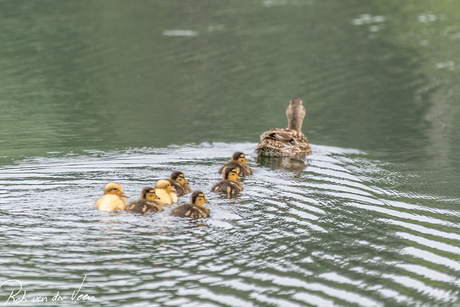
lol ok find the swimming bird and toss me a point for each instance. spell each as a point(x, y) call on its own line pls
point(178, 182)
point(165, 192)
point(289, 141)
point(238, 161)
point(195, 209)
point(228, 185)
point(147, 203)
point(114, 198)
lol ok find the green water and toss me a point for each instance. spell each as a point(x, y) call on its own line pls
point(90, 75)
point(101, 78)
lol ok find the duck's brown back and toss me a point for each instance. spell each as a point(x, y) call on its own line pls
point(283, 143)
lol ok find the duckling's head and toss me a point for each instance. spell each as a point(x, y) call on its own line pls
point(198, 198)
point(179, 177)
point(239, 157)
point(115, 189)
point(148, 193)
point(165, 185)
point(231, 174)
point(232, 164)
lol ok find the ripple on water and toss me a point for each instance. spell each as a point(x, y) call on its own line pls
point(325, 231)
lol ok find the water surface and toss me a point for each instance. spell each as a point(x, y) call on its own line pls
point(103, 91)
point(329, 231)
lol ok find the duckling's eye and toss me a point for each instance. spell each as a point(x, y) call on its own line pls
point(115, 189)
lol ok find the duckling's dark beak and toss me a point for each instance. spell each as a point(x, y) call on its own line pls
point(185, 181)
point(156, 197)
point(206, 202)
point(124, 195)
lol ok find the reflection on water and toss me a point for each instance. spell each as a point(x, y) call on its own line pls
point(335, 231)
point(292, 164)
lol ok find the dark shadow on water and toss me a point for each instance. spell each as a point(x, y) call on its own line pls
point(296, 165)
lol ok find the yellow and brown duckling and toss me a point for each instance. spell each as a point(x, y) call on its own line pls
point(178, 182)
point(289, 141)
point(147, 203)
point(114, 198)
point(228, 185)
point(195, 209)
point(165, 192)
point(238, 161)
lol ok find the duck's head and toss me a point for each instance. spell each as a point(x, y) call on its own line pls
point(239, 157)
point(295, 114)
point(296, 101)
point(115, 189)
point(165, 185)
point(231, 174)
point(179, 177)
point(198, 198)
point(148, 193)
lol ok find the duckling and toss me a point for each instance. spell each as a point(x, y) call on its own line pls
point(147, 203)
point(286, 142)
point(238, 161)
point(114, 198)
point(228, 185)
point(195, 209)
point(165, 192)
point(178, 182)
point(233, 165)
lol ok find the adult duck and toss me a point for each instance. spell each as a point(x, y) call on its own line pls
point(289, 141)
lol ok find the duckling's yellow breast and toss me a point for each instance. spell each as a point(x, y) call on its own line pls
point(111, 202)
point(173, 196)
point(165, 198)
